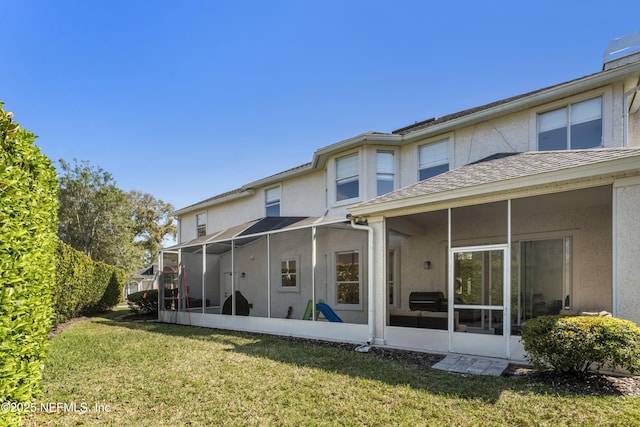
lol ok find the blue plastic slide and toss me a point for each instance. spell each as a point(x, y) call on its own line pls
point(328, 312)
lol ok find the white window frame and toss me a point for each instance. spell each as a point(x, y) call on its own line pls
point(384, 171)
point(564, 113)
point(343, 177)
point(337, 282)
point(201, 225)
point(433, 155)
point(270, 201)
point(282, 287)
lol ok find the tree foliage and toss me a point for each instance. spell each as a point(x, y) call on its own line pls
point(93, 210)
point(101, 220)
point(152, 223)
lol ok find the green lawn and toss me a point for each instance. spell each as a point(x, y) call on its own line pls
point(128, 373)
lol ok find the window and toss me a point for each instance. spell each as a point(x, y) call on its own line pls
point(347, 180)
point(384, 172)
point(289, 274)
point(201, 224)
point(572, 127)
point(347, 278)
point(433, 159)
point(272, 201)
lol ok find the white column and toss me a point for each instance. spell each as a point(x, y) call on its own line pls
point(204, 277)
point(269, 276)
point(233, 277)
point(626, 249)
point(314, 254)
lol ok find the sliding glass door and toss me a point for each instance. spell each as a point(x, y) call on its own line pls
point(541, 279)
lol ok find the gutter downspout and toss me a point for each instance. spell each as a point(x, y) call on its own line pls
point(370, 276)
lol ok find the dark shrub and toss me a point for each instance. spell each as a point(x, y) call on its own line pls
point(577, 344)
point(143, 301)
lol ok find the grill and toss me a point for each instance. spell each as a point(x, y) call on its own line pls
point(427, 301)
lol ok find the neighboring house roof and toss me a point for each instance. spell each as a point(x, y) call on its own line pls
point(148, 272)
point(508, 171)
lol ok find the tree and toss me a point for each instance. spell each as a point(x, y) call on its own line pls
point(109, 225)
point(95, 217)
point(152, 223)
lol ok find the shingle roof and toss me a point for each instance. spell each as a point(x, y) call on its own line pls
point(506, 168)
point(436, 121)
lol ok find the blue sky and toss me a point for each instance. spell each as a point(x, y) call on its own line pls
point(186, 100)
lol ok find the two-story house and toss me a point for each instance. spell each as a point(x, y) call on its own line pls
point(446, 235)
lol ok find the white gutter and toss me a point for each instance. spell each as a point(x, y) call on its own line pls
point(370, 277)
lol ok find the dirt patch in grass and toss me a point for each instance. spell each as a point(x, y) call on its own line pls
point(62, 326)
point(128, 316)
point(139, 317)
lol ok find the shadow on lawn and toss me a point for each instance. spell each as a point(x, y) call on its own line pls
point(377, 365)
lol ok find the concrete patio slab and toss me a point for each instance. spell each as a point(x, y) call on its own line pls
point(472, 365)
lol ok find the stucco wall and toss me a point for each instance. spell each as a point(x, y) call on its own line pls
point(504, 135)
point(414, 250)
point(589, 225)
point(627, 249)
point(590, 230)
point(187, 227)
point(304, 196)
point(251, 271)
point(301, 196)
point(295, 245)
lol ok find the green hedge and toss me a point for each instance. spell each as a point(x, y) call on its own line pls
point(143, 301)
point(28, 222)
point(84, 286)
point(577, 344)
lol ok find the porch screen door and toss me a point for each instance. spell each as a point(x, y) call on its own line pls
point(479, 286)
